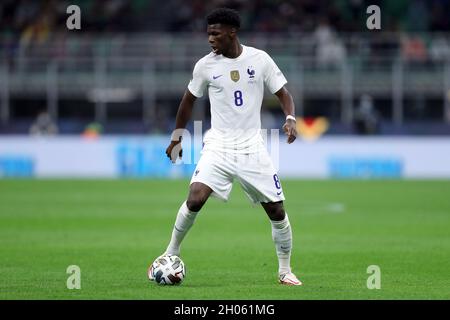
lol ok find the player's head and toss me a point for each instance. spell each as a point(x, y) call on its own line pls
point(223, 24)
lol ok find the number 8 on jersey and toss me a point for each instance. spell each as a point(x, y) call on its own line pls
point(238, 98)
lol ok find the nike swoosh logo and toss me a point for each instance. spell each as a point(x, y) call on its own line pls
point(278, 193)
point(215, 77)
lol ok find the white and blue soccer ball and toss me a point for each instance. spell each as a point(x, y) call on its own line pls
point(167, 270)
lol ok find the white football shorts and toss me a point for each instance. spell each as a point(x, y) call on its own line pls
point(254, 171)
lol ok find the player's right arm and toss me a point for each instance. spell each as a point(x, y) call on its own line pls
point(184, 113)
point(195, 90)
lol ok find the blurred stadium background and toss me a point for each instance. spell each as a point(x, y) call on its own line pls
point(124, 72)
point(100, 102)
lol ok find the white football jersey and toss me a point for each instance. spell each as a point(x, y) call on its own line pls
point(236, 90)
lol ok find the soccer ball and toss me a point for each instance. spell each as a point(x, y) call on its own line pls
point(167, 270)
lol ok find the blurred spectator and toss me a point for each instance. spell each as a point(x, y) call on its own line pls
point(440, 49)
point(43, 125)
point(37, 32)
point(414, 49)
point(330, 51)
point(366, 120)
point(323, 33)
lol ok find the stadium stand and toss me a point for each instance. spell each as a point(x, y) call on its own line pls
point(129, 64)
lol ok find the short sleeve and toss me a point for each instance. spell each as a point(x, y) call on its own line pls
point(273, 77)
point(198, 83)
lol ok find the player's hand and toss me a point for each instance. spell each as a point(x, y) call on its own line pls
point(174, 150)
point(290, 129)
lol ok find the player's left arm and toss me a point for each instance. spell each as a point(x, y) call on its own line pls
point(287, 104)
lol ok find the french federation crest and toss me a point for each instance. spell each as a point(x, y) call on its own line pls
point(234, 74)
point(251, 72)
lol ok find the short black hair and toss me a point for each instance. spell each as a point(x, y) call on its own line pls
point(225, 16)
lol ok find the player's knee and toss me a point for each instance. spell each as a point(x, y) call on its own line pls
point(198, 194)
point(196, 200)
point(195, 203)
point(276, 212)
point(278, 215)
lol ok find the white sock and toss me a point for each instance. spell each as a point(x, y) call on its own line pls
point(282, 236)
point(184, 221)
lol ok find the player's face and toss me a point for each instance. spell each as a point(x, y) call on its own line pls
point(220, 37)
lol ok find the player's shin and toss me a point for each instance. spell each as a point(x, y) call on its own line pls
point(282, 237)
point(184, 221)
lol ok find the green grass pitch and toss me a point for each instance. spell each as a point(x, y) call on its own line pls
point(113, 229)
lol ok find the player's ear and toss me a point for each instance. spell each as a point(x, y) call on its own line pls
point(232, 32)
